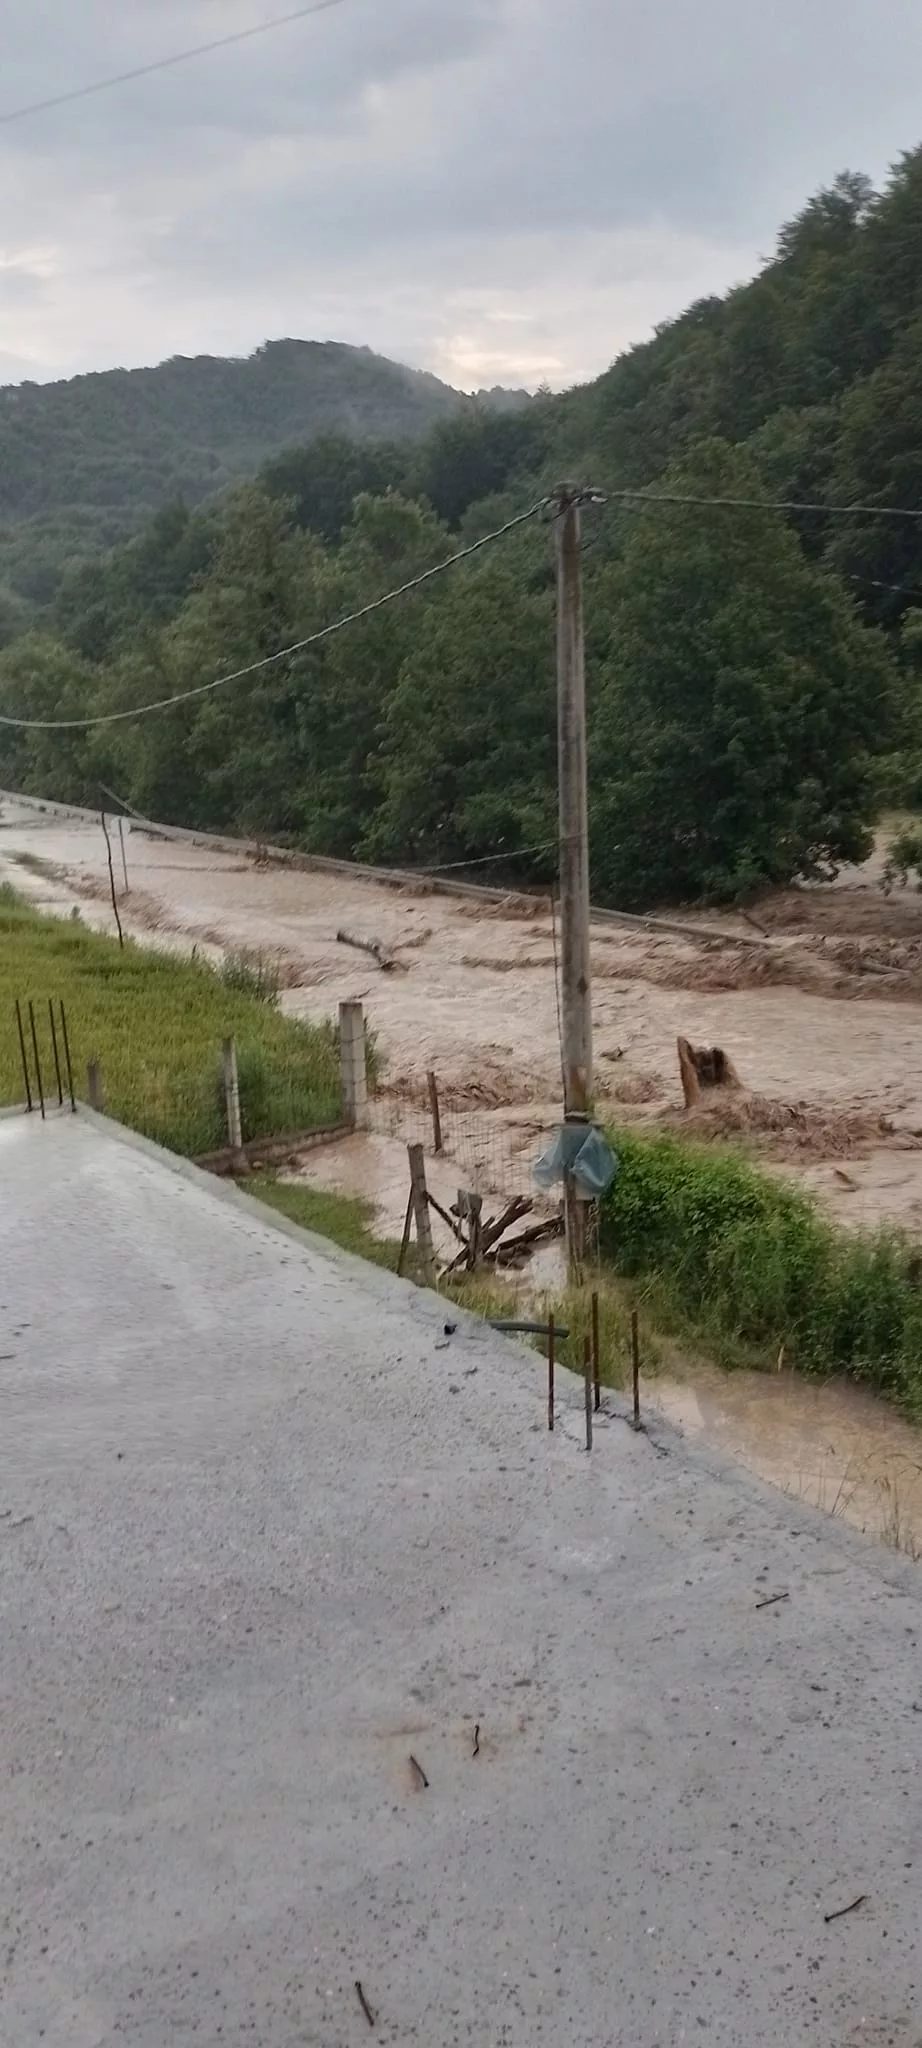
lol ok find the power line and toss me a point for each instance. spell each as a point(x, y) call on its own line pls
point(240, 35)
point(298, 646)
point(483, 860)
point(768, 505)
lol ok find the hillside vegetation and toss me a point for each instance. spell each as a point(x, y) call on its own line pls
point(89, 458)
point(754, 675)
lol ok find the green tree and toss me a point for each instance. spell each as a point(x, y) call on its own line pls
point(735, 723)
point(469, 736)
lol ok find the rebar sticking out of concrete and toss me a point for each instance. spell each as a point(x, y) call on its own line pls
point(25, 1061)
point(38, 1069)
point(54, 1047)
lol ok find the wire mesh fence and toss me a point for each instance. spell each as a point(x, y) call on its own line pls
point(494, 1150)
point(175, 1094)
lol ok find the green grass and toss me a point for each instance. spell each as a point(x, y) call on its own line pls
point(349, 1222)
point(737, 1260)
point(155, 1023)
point(346, 1219)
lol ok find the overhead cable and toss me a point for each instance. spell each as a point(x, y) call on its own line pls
point(282, 654)
point(240, 35)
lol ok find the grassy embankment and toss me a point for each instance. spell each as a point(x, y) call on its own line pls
point(155, 1023)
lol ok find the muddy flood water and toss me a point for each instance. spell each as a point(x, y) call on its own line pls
point(822, 1021)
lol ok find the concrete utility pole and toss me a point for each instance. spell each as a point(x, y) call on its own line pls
point(575, 962)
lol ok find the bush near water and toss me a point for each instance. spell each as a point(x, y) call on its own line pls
point(749, 1265)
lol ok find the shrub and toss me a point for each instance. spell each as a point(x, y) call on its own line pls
point(750, 1264)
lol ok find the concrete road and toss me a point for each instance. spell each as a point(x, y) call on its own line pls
point(266, 1534)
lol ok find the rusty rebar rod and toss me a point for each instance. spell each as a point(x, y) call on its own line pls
point(38, 1068)
point(25, 1061)
point(67, 1059)
point(54, 1048)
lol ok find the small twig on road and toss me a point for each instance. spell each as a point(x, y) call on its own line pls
point(772, 1600)
point(420, 1773)
point(477, 1740)
point(842, 1910)
point(366, 2008)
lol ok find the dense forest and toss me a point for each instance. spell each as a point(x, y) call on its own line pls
point(84, 462)
point(754, 674)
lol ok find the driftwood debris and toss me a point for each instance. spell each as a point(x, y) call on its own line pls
point(375, 947)
point(704, 1066)
point(483, 1238)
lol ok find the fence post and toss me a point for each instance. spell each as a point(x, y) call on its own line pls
point(423, 1220)
point(436, 1113)
point(232, 1094)
point(94, 1094)
point(352, 1064)
point(121, 841)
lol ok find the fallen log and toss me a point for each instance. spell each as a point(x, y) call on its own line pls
point(375, 947)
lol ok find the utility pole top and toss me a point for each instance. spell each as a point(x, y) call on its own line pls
point(576, 496)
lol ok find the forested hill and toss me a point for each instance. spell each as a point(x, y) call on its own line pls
point(754, 675)
point(93, 455)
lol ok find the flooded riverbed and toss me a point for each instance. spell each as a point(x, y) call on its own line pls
point(827, 1443)
point(474, 998)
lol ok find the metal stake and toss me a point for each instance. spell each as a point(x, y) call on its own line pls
point(596, 1360)
point(25, 1063)
point(67, 1061)
point(587, 1375)
point(54, 1047)
point(635, 1361)
point(38, 1070)
point(551, 1335)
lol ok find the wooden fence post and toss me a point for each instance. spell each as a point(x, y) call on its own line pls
point(94, 1089)
point(232, 1094)
point(352, 1069)
point(420, 1198)
point(436, 1113)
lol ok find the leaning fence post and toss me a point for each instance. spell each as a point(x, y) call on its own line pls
point(352, 1064)
point(232, 1094)
point(94, 1092)
point(420, 1199)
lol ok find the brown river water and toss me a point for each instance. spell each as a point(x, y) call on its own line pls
point(476, 1001)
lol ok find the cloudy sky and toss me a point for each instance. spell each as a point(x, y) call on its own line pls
point(498, 190)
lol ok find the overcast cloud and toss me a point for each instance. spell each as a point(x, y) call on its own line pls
point(498, 190)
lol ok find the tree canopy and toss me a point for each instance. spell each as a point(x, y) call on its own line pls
point(753, 677)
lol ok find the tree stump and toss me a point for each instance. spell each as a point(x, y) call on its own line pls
point(703, 1067)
